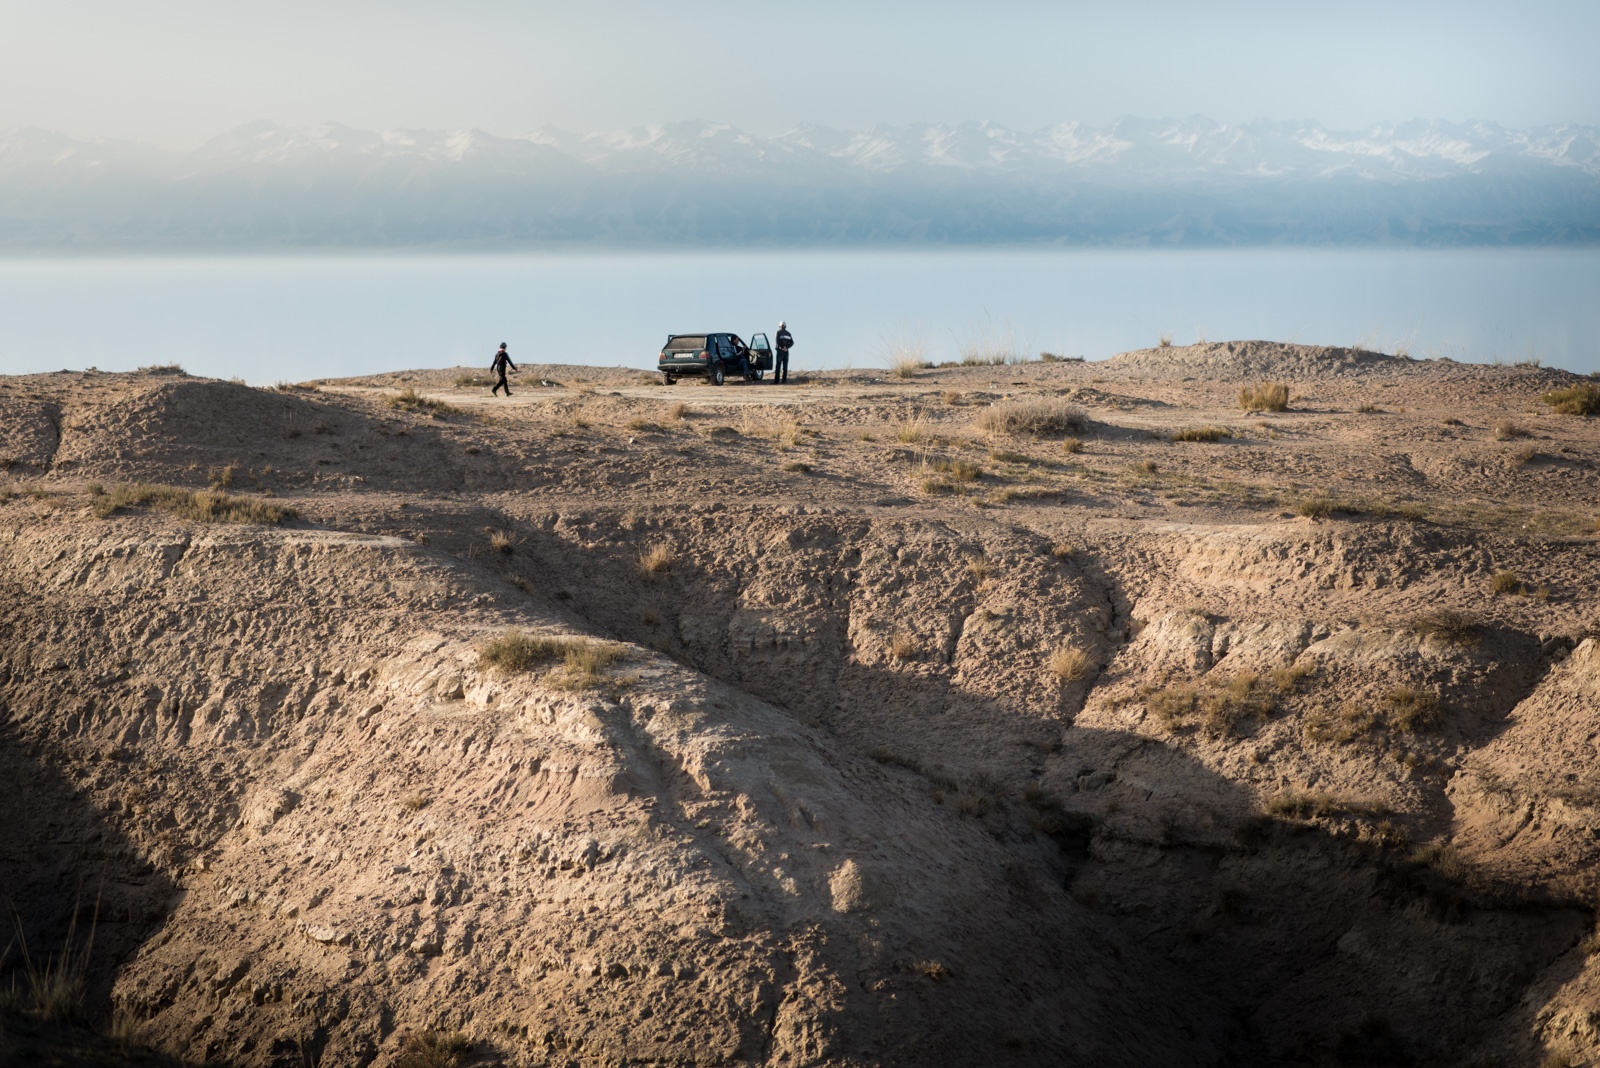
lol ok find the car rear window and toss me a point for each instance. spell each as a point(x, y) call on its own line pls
point(686, 343)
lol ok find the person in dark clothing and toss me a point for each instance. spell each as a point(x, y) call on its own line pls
point(785, 342)
point(502, 360)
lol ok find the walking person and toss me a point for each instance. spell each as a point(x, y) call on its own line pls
point(785, 342)
point(502, 360)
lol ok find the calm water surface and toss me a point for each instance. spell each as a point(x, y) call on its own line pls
point(268, 318)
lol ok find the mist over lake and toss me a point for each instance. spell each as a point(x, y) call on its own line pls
point(267, 318)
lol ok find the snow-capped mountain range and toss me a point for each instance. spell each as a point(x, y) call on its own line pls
point(1137, 181)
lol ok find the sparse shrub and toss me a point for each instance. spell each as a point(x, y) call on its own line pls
point(1071, 446)
point(1149, 467)
point(905, 365)
point(950, 397)
point(1443, 859)
point(409, 400)
point(1062, 551)
point(415, 802)
point(903, 644)
point(678, 411)
point(1052, 357)
point(1412, 710)
point(222, 477)
point(1506, 430)
point(957, 469)
point(934, 970)
point(1216, 707)
point(1201, 433)
point(641, 425)
point(1368, 408)
point(469, 381)
point(1583, 399)
point(1350, 722)
point(797, 467)
point(503, 541)
point(433, 1049)
point(1069, 663)
point(1038, 417)
point(936, 486)
point(1006, 456)
point(1264, 397)
point(1448, 625)
point(1318, 507)
point(201, 506)
point(1452, 421)
point(1164, 341)
point(163, 369)
point(656, 559)
point(1506, 582)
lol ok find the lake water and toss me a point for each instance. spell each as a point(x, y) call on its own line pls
point(269, 318)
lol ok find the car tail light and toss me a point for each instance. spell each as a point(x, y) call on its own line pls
point(705, 355)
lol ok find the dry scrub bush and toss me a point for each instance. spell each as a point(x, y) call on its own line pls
point(903, 644)
point(656, 559)
point(1506, 430)
point(1214, 706)
point(1319, 805)
point(163, 369)
point(957, 469)
point(1038, 417)
point(55, 992)
point(1201, 433)
point(415, 802)
point(1575, 400)
point(222, 477)
point(468, 381)
point(1449, 625)
point(950, 397)
point(1069, 663)
point(433, 1049)
point(200, 506)
point(1368, 408)
point(678, 411)
point(1062, 551)
point(1164, 341)
point(409, 400)
point(1006, 456)
point(905, 365)
point(1071, 446)
point(1264, 397)
point(502, 541)
point(797, 467)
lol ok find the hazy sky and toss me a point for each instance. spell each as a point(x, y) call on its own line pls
point(174, 72)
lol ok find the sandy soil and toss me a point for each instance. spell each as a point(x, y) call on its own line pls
point(920, 742)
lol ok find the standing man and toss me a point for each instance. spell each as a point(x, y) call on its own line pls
point(785, 342)
point(502, 360)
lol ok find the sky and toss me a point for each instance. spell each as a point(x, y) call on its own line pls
point(176, 72)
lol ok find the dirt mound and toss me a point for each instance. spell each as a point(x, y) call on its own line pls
point(1251, 360)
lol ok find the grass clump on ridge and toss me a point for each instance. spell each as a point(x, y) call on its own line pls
point(1201, 433)
point(1264, 397)
point(578, 662)
point(201, 506)
point(434, 1049)
point(1038, 417)
point(1575, 400)
point(409, 400)
point(1449, 625)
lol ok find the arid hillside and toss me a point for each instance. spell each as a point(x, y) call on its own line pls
point(1237, 704)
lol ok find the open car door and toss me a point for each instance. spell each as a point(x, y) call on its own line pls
point(760, 353)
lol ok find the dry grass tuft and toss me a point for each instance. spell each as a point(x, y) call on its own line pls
point(1264, 397)
point(1062, 551)
point(797, 467)
point(656, 560)
point(163, 369)
point(1201, 433)
point(1069, 663)
point(415, 802)
point(1412, 710)
point(903, 644)
point(1581, 399)
point(950, 397)
point(1216, 707)
point(911, 429)
point(1071, 446)
point(469, 381)
point(1506, 430)
point(1038, 417)
point(433, 1049)
point(200, 506)
point(1506, 582)
point(678, 411)
point(1164, 341)
point(503, 541)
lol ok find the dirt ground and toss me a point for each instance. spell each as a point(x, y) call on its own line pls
point(1046, 713)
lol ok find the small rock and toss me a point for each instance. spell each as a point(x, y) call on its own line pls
point(426, 947)
point(328, 936)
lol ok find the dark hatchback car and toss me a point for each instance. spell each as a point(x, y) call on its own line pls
point(714, 357)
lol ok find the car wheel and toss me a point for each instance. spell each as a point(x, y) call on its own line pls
point(759, 375)
point(717, 375)
point(670, 380)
